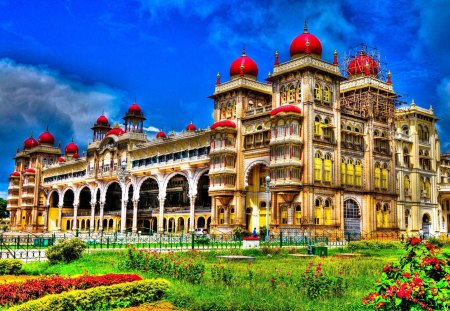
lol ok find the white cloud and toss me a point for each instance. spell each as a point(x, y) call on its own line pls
point(151, 129)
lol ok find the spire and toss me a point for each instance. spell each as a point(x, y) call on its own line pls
point(389, 81)
point(413, 104)
point(243, 50)
point(276, 58)
point(305, 27)
point(218, 78)
point(335, 58)
point(269, 75)
point(46, 129)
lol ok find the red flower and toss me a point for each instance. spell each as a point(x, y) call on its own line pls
point(406, 275)
point(415, 241)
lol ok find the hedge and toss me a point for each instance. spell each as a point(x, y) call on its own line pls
point(100, 298)
point(10, 266)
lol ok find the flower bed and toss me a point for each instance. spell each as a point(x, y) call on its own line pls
point(100, 298)
point(14, 293)
point(169, 264)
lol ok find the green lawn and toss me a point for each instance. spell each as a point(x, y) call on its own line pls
point(243, 293)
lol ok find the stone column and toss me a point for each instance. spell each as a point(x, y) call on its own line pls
point(75, 214)
point(59, 216)
point(123, 216)
point(92, 224)
point(226, 215)
point(161, 215)
point(192, 213)
point(100, 226)
point(135, 214)
point(45, 215)
point(213, 212)
point(18, 217)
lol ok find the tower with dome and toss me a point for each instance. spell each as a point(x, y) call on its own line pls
point(324, 135)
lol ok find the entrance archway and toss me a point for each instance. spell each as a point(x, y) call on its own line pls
point(352, 219)
point(426, 225)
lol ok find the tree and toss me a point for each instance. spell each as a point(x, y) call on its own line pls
point(3, 212)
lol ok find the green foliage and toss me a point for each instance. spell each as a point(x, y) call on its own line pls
point(10, 266)
point(268, 250)
point(240, 233)
point(318, 285)
point(100, 298)
point(420, 281)
point(440, 242)
point(373, 245)
point(222, 274)
point(3, 212)
point(262, 231)
point(65, 251)
point(254, 252)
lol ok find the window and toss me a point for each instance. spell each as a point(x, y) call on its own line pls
point(405, 130)
point(299, 91)
point(406, 157)
point(318, 126)
point(327, 168)
point(358, 173)
point(350, 172)
point(291, 92)
point(284, 215)
point(428, 188)
point(343, 169)
point(377, 176)
point(407, 185)
point(283, 95)
point(298, 215)
point(221, 216)
point(384, 177)
point(317, 92)
point(318, 166)
point(232, 216)
point(327, 94)
point(327, 212)
point(379, 214)
point(318, 212)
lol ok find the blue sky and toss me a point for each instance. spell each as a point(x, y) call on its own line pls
point(64, 62)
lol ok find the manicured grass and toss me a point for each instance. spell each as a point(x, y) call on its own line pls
point(257, 293)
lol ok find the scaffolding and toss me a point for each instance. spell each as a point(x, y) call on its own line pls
point(370, 100)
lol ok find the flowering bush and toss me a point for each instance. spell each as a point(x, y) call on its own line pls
point(317, 285)
point(221, 274)
point(421, 281)
point(65, 251)
point(13, 293)
point(10, 266)
point(169, 264)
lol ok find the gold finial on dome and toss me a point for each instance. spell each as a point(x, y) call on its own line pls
point(305, 27)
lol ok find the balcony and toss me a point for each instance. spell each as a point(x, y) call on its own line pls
point(286, 139)
point(276, 162)
point(222, 149)
point(221, 170)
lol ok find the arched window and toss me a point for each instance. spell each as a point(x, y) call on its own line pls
point(379, 214)
point(405, 130)
point(298, 215)
point(284, 215)
point(407, 185)
point(386, 211)
point(317, 92)
point(350, 172)
point(426, 133)
point(358, 173)
point(422, 188)
point(343, 170)
point(384, 177)
point(327, 168)
point(406, 157)
point(318, 166)
point(327, 94)
point(327, 212)
point(428, 188)
point(299, 91)
point(327, 129)
point(283, 95)
point(318, 212)
point(318, 125)
point(377, 176)
point(222, 216)
point(291, 92)
point(232, 214)
point(420, 132)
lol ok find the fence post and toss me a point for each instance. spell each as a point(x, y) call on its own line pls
point(281, 239)
point(348, 237)
point(403, 238)
point(107, 242)
point(193, 240)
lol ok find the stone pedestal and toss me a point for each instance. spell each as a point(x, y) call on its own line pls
point(250, 242)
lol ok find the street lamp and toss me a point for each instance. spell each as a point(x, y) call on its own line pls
point(267, 206)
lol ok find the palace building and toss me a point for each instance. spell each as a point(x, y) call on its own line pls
point(317, 146)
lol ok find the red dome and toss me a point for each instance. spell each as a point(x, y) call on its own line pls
point(191, 127)
point(102, 120)
point(115, 131)
point(161, 134)
point(223, 123)
point(47, 138)
point(71, 148)
point(249, 66)
point(14, 174)
point(300, 44)
point(134, 108)
point(30, 143)
point(362, 64)
point(61, 159)
point(30, 171)
point(285, 108)
point(75, 156)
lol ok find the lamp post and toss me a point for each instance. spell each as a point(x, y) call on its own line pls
point(267, 206)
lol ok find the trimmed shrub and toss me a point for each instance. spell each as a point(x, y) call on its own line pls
point(100, 298)
point(373, 245)
point(18, 292)
point(65, 251)
point(10, 266)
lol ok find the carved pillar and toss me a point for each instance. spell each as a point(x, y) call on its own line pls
point(102, 206)
point(92, 224)
point(123, 215)
point(191, 213)
point(59, 216)
point(135, 214)
point(226, 215)
point(45, 215)
point(213, 212)
point(18, 217)
point(161, 215)
point(75, 214)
